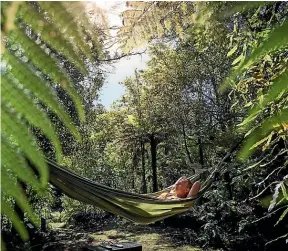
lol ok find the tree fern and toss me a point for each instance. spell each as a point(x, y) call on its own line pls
point(158, 19)
point(27, 79)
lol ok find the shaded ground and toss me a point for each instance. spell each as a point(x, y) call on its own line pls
point(150, 241)
point(181, 233)
point(150, 238)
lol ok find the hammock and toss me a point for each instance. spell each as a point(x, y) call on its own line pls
point(141, 208)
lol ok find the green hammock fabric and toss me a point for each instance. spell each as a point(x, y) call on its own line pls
point(141, 208)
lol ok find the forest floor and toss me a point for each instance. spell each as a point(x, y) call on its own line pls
point(150, 241)
point(87, 232)
point(151, 238)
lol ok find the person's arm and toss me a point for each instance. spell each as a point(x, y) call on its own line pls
point(194, 189)
point(181, 178)
point(174, 185)
point(162, 196)
point(171, 192)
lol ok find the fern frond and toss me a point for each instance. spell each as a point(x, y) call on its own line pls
point(17, 164)
point(11, 125)
point(13, 189)
point(7, 210)
point(154, 18)
point(11, 94)
point(47, 65)
point(26, 77)
point(64, 22)
point(78, 11)
point(51, 36)
point(24, 84)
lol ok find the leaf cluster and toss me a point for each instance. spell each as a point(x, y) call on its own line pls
point(31, 71)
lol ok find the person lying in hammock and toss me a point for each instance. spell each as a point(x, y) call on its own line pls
point(183, 188)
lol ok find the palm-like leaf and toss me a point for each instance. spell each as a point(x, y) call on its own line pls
point(273, 106)
point(24, 87)
point(275, 40)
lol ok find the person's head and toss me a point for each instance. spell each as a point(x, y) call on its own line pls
point(182, 187)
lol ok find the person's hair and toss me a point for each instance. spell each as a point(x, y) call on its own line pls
point(188, 182)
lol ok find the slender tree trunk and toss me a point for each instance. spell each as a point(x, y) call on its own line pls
point(185, 143)
point(201, 156)
point(220, 107)
point(228, 180)
point(144, 184)
point(134, 164)
point(153, 145)
point(186, 147)
point(133, 180)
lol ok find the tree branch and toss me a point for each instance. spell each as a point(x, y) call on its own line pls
point(122, 56)
point(268, 215)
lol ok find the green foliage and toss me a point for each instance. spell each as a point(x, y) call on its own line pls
point(261, 68)
point(145, 21)
point(268, 48)
point(28, 79)
point(176, 100)
point(257, 49)
point(167, 21)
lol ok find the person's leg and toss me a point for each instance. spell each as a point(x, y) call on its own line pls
point(194, 189)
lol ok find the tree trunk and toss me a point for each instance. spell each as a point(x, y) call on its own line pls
point(144, 185)
point(201, 156)
point(186, 146)
point(153, 145)
point(220, 107)
point(134, 165)
point(228, 185)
